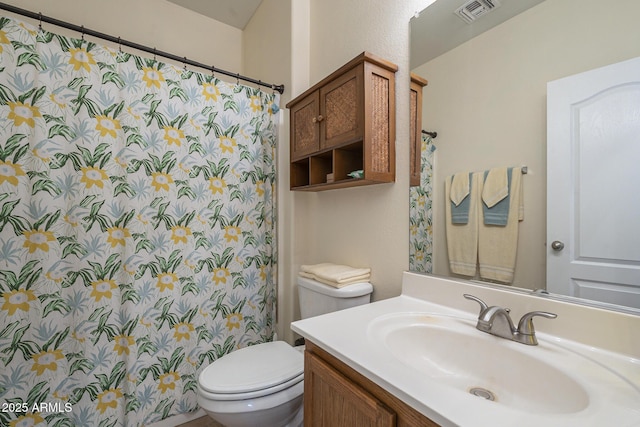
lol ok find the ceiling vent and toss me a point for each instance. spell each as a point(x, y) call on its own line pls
point(473, 9)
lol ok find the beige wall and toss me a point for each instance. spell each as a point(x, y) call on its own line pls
point(268, 50)
point(153, 23)
point(295, 42)
point(487, 101)
point(366, 226)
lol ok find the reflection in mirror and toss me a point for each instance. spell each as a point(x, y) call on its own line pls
point(487, 99)
point(421, 211)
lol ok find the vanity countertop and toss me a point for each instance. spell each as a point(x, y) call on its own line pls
point(606, 368)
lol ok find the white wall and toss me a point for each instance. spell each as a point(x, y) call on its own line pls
point(487, 101)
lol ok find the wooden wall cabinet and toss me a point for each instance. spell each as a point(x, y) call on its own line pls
point(415, 155)
point(336, 395)
point(345, 123)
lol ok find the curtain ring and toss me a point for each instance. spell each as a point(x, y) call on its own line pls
point(119, 45)
point(237, 78)
point(154, 54)
point(213, 72)
point(40, 21)
point(185, 64)
point(82, 32)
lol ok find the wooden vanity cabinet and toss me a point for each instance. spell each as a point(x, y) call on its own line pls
point(335, 395)
point(345, 123)
point(415, 156)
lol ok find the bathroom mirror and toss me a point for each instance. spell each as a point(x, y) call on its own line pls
point(486, 97)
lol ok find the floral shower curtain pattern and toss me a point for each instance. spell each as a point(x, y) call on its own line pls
point(421, 213)
point(137, 230)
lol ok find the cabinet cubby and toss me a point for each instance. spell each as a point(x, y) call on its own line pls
point(320, 166)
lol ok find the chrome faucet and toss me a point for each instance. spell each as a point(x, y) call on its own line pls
point(496, 321)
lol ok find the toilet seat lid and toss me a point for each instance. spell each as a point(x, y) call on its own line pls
point(253, 368)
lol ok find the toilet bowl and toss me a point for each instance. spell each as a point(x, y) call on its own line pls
point(262, 385)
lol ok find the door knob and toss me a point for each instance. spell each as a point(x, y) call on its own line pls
point(557, 245)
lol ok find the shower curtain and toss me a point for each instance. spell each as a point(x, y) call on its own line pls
point(421, 212)
point(137, 230)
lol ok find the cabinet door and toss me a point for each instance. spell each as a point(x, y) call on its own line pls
point(341, 109)
point(331, 400)
point(380, 126)
point(305, 126)
point(415, 133)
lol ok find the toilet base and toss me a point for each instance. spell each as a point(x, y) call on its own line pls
point(289, 414)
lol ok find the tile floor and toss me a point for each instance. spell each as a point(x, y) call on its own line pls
point(201, 422)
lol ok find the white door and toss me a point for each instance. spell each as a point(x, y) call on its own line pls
point(593, 184)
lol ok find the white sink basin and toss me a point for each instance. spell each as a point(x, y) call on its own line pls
point(452, 351)
point(424, 349)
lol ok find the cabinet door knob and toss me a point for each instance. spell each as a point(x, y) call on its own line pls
point(320, 118)
point(314, 120)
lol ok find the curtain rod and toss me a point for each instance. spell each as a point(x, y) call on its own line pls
point(81, 29)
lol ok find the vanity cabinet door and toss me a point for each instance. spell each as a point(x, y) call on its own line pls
point(331, 400)
point(336, 395)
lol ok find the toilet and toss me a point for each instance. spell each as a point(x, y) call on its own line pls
point(263, 384)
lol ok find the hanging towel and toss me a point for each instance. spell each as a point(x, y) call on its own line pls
point(462, 238)
point(459, 187)
point(497, 246)
point(495, 187)
point(459, 195)
point(495, 196)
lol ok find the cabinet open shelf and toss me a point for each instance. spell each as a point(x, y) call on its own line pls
point(313, 173)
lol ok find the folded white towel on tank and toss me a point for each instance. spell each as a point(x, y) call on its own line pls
point(336, 275)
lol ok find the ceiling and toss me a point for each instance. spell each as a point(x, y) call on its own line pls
point(437, 29)
point(231, 12)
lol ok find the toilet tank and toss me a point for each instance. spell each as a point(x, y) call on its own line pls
point(317, 298)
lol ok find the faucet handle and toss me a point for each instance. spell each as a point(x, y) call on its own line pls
point(525, 326)
point(483, 305)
